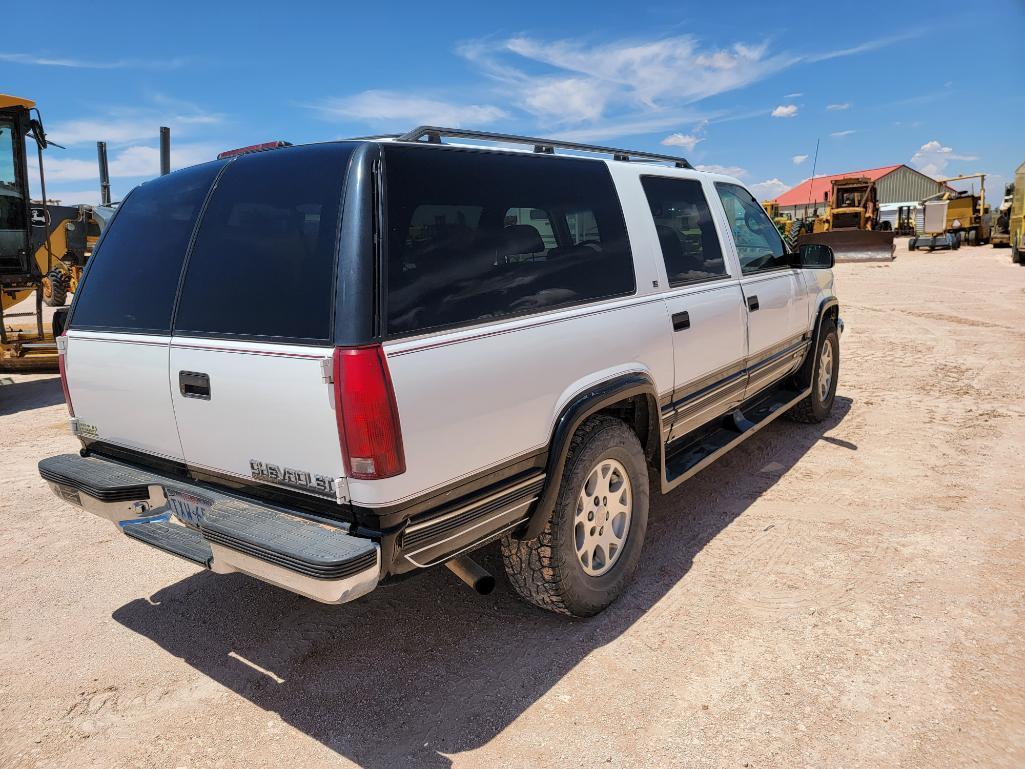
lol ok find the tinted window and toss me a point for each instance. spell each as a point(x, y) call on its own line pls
point(758, 242)
point(686, 233)
point(263, 264)
point(475, 235)
point(133, 276)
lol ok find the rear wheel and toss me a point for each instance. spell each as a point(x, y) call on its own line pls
point(55, 288)
point(589, 549)
point(823, 369)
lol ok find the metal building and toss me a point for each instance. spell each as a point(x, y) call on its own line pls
point(896, 185)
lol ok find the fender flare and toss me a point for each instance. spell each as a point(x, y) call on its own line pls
point(583, 405)
point(828, 306)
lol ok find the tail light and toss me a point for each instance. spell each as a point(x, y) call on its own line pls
point(368, 420)
point(62, 352)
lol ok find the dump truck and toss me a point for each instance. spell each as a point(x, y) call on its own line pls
point(850, 225)
point(1000, 235)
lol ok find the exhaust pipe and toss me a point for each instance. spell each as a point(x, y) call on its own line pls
point(472, 573)
point(165, 150)
point(101, 156)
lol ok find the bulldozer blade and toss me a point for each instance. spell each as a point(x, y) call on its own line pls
point(854, 245)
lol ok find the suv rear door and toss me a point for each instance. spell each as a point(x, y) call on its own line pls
point(120, 323)
point(254, 323)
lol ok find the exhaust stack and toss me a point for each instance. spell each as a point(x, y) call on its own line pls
point(101, 156)
point(165, 150)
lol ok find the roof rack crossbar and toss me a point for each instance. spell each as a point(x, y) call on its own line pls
point(434, 134)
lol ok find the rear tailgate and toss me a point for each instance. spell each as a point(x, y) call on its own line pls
point(253, 332)
point(120, 323)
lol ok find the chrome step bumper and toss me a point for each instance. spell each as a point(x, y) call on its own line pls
point(317, 560)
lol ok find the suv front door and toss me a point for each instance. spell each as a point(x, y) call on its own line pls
point(775, 294)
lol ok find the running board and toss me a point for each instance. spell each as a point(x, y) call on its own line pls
point(690, 455)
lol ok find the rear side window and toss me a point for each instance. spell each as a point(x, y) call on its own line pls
point(474, 236)
point(686, 233)
point(134, 274)
point(263, 263)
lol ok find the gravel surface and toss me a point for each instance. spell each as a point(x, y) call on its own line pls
point(846, 595)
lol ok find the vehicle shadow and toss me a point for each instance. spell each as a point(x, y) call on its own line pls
point(425, 667)
point(28, 394)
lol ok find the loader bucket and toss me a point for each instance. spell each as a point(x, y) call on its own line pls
point(854, 245)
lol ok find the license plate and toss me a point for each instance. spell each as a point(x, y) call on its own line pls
point(188, 508)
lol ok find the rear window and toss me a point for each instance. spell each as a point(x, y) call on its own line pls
point(263, 263)
point(133, 276)
point(474, 236)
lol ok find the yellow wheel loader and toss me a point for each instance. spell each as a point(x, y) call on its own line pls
point(43, 247)
point(851, 224)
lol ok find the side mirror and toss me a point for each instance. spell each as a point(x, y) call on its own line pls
point(60, 320)
point(814, 256)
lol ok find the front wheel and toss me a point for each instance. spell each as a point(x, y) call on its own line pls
point(55, 288)
point(818, 405)
point(589, 549)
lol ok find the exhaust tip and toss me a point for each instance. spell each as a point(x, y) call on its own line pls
point(472, 573)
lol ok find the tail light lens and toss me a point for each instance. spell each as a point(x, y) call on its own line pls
point(62, 352)
point(368, 420)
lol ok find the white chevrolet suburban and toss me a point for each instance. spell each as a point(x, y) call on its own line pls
point(331, 365)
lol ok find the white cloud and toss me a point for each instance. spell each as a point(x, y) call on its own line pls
point(129, 125)
point(72, 63)
point(392, 107)
point(838, 107)
point(134, 161)
point(798, 159)
point(72, 197)
point(793, 95)
point(769, 189)
point(785, 110)
point(713, 168)
point(933, 158)
point(687, 141)
point(567, 82)
point(871, 45)
point(839, 134)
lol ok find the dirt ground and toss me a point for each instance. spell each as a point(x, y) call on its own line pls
point(841, 595)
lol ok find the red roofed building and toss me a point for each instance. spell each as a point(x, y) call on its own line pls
point(896, 185)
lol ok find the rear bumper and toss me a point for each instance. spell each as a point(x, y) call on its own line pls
point(316, 560)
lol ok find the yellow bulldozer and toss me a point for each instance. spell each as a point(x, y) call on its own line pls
point(44, 246)
point(850, 225)
point(784, 222)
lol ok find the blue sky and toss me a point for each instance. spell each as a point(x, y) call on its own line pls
point(747, 87)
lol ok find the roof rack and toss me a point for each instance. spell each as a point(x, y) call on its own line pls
point(434, 134)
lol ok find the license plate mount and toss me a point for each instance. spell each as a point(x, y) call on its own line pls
point(190, 509)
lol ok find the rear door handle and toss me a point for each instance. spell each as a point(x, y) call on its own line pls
point(194, 384)
point(681, 320)
point(752, 303)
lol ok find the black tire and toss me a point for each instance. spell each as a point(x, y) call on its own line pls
point(817, 407)
point(55, 289)
point(546, 571)
point(912, 244)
